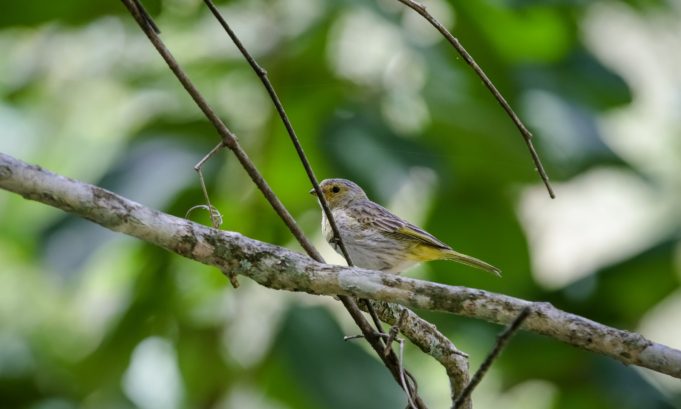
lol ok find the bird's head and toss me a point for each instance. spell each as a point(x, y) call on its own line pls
point(340, 192)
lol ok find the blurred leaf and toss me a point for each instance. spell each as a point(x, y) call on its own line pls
point(328, 368)
point(115, 116)
point(528, 34)
point(33, 12)
point(622, 293)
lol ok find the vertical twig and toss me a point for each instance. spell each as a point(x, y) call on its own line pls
point(526, 134)
point(428, 339)
point(198, 169)
point(403, 378)
point(404, 381)
point(392, 336)
point(502, 341)
point(394, 330)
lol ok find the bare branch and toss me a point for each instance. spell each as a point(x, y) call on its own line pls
point(262, 75)
point(456, 370)
point(215, 221)
point(527, 135)
point(230, 141)
point(394, 330)
point(502, 341)
point(406, 388)
point(425, 335)
point(279, 268)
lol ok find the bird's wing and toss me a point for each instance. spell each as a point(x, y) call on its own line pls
point(415, 233)
point(384, 221)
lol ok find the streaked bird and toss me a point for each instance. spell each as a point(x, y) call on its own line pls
point(377, 239)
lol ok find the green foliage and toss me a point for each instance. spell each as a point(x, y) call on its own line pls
point(91, 319)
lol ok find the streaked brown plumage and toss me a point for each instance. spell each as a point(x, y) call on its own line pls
point(376, 239)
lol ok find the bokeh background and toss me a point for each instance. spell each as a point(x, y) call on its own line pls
point(93, 319)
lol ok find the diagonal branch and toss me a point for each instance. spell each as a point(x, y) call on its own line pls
point(526, 134)
point(502, 341)
point(230, 141)
point(279, 268)
point(262, 75)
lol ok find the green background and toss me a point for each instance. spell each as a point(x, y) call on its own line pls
point(92, 319)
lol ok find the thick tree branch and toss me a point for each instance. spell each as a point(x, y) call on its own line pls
point(279, 268)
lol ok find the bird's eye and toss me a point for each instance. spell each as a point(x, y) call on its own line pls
point(335, 189)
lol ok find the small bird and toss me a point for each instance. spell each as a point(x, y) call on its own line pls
point(376, 239)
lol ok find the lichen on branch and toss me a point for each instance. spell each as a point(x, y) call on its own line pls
point(282, 269)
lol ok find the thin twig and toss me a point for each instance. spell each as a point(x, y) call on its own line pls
point(404, 381)
point(147, 17)
point(374, 339)
point(432, 342)
point(198, 168)
point(372, 314)
point(527, 135)
point(262, 75)
point(228, 137)
point(209, 155)
point(502, 341)
point(212, 210)
point(230, 141)
point(352, 337)
point(394, 330)
point(390, 337)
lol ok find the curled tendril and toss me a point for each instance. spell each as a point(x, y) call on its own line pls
point(215, 216)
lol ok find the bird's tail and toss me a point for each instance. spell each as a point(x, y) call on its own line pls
point(471, 261)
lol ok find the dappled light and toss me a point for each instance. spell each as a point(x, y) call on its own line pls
point(90, 318)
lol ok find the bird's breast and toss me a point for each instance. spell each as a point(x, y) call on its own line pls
point(368, 247)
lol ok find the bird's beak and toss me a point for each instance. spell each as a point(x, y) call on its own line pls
point(312, 192)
